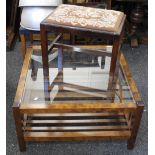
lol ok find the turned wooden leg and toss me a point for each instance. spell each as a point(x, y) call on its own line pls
point(136, 18)
point(18, 124)
point(135, 126)
point(23, 44)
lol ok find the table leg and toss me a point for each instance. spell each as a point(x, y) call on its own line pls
point(19, 131)
point(136, 123)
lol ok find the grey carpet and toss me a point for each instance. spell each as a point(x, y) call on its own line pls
point(138, 62)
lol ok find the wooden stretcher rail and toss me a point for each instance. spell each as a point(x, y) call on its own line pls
point(77, 114)
point(78, 107)
point(84, 50)
point(38, 47)
point(54, 41)
point(22, 80)
point(129, 78)
point(91, 135)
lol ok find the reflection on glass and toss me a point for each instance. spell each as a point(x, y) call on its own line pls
point(83, 79)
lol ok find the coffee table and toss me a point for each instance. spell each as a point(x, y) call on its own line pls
point(80, 103)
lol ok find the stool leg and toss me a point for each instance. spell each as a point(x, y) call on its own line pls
point(115, 54)
point(60, 59)
point(44, 48)
point(34, 70)
point(136, 123)
point(60, 67)
point(19, 131)
point(114, 66)
point(73, 55)
point(23, 45)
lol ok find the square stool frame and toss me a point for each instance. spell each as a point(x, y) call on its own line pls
point(114, 37)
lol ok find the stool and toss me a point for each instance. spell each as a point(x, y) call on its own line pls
point(83, 21)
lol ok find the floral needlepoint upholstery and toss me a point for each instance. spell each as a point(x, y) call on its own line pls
point(86, 17)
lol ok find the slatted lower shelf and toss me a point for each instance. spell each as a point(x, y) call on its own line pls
point(75, 126)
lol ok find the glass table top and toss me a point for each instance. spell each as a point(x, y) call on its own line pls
point(83, 79)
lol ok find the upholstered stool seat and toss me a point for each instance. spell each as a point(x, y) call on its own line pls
point(87, 17)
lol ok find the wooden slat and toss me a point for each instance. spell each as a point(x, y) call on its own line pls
point(74, 121)
point(77, 114)
point(75, 128)
point(91, 135)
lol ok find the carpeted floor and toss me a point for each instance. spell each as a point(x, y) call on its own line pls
point(138, 62)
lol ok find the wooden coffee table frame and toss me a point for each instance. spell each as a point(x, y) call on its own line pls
point(132, 115)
